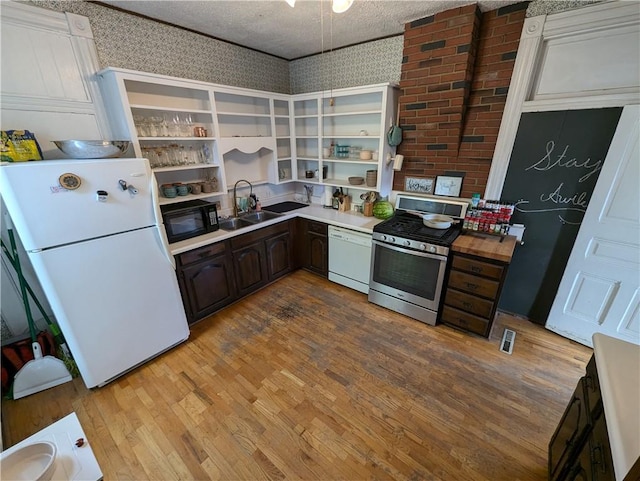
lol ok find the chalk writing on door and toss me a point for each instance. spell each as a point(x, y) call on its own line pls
point(570, 203)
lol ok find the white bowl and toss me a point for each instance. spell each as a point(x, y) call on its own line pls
point(92, 149)
point(31, 462)
point(437, 221)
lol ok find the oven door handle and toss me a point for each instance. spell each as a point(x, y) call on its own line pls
point(410, 251)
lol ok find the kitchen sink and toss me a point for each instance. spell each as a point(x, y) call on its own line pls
point(260, 216)
point(235, 223)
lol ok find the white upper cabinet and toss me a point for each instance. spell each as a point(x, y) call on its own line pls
point(171, 123)
point(342, 134)
point(286, 169)
point(195, 131)
point(47, 80)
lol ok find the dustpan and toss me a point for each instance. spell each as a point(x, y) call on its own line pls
point(42, 372)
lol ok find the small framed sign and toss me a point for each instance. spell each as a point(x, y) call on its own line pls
point(448, 185)
point(424, 185)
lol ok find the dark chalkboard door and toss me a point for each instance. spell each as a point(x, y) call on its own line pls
point(554, 166)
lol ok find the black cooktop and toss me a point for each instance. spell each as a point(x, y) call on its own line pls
point(411, 227)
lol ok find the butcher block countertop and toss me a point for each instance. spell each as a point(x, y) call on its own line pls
point(487, 246)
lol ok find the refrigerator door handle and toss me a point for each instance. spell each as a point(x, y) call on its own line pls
point(162, 234)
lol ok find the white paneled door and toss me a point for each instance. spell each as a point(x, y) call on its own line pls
point(600, 288)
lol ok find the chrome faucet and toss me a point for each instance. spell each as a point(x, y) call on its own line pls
point(235, 205)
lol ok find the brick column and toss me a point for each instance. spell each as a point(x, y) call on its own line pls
point(456, 70)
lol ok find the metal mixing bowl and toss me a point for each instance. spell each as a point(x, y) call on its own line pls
point(92, 149)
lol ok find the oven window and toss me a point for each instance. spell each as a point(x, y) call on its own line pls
point(185, 224)
point(409, 273)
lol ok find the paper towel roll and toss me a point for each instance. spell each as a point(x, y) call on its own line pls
point(328, 197)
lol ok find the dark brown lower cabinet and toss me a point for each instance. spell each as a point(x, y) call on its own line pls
point(279, 251)
point(312, 245)
point(579, 449)
point(472, 292)
point(215, 275)
point(261, 256)
point(249, 264)
point(206, 280)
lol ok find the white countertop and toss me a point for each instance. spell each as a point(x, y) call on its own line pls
point(348, 220)
point(71, 462)
point(618, 365)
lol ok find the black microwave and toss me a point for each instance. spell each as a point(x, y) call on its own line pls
point(189, 219)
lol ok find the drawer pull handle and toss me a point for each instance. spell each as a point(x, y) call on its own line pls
point(589, 382)
point(476, 269)
point(468, 305)
point(462, 321)
point(472, 286)
point(598, 458)
point(203, 254)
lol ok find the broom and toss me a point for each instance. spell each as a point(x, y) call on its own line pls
point(41, 372)
point(63, 352)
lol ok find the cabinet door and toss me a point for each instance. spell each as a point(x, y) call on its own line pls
point(601, 459)
point(250, 267)
point(582, 469)
point(318, 260)
point(279, 256)
point(569, 435)
point(592, 385)
point(207, 286)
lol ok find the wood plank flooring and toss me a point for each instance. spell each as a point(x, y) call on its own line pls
point(307, 380)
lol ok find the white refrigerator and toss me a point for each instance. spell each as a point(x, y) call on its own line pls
point(94, 235)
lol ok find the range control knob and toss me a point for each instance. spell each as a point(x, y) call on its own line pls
point(384, 237)
point(407, 243)
point(432, 248)
point(423, 247)
point(392, 239)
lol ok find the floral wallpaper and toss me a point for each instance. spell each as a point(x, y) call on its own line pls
point(128, 41)
point(364, 64)
point(131, 42)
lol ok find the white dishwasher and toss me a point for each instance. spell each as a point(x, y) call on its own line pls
point(349, 258)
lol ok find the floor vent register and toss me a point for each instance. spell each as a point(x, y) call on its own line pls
point(508, 338)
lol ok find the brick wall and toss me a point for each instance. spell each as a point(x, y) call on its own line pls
point(456, 70)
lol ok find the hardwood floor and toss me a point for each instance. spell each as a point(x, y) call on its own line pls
point(307, 380)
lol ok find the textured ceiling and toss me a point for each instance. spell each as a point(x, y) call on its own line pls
point(273, 27)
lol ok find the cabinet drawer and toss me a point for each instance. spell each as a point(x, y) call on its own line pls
point(317, 227)
point(570, 434)
point(473, 284)
point(249, 238)
point(464, 320)
point(592, 386)
point(200, 253)
point(469, 303)
point(477, 267)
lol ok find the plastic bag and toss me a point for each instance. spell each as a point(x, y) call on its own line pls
point(19, 146)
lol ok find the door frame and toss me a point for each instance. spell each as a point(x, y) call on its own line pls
point(539, 36)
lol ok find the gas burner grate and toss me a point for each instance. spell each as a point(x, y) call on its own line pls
point(411, 227)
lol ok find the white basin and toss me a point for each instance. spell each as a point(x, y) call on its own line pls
point(31, 462)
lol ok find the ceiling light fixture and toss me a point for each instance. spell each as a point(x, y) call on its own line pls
point(340, 6)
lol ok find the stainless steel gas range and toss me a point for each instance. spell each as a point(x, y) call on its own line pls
point(409, 259)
